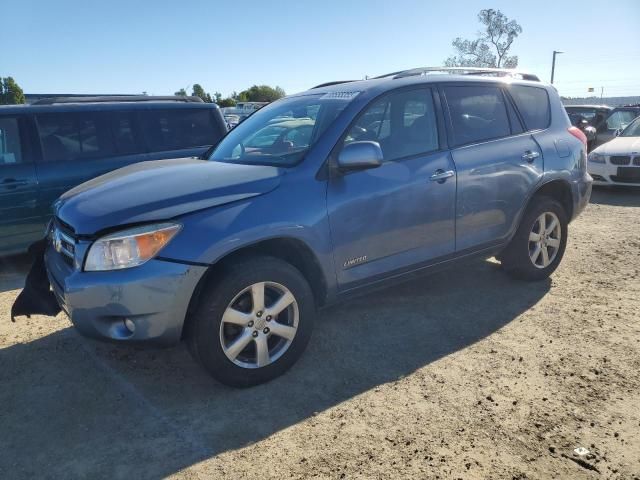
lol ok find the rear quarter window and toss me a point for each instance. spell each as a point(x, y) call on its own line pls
point(533, 105)
point(179, 129)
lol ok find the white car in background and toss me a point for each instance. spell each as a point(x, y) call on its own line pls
point(618, 162)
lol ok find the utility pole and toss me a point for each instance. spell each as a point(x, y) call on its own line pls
point(601, 92)
point(553, 64)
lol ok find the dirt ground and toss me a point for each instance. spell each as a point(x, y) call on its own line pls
point(464, 374)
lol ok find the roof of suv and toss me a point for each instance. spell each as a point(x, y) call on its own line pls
point(598, 107)
point(132, 102)
point(388, 82)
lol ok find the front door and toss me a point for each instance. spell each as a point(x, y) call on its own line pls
point(393, 217)
point(20, 223)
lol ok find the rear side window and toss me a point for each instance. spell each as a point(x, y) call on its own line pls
point(125, 133)
point(178, 129)
point(478, 113)
point(10, 149)
point(533, 104)
point(74, 136)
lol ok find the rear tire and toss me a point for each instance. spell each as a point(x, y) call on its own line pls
point(253, 323)
point(538, 246)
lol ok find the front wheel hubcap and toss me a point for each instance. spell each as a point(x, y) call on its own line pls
point(544, 240)
point(244, 337)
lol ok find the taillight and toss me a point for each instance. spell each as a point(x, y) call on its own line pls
point(579, 134)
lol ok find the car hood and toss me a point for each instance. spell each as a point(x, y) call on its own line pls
point(621, 146)
point(160, 190)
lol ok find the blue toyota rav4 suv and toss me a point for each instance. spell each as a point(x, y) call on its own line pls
point(313, 197)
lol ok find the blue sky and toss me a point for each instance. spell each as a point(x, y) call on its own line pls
point(116, 46)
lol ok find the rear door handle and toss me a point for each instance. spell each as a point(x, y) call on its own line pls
point(441, 176)
point(530, 156)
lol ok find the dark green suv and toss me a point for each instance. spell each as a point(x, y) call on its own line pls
point(53, 145)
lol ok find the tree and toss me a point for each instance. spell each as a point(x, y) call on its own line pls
point(10, 92)
point(181, 93)
point(226, 102)
point(260, 93)
point(492, 46)
point(198, 91)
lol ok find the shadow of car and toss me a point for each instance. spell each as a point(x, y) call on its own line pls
point(78, 408)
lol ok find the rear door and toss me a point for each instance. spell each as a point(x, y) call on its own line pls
point(20, 222)
point(497, 163)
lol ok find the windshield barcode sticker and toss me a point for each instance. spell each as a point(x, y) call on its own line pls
point(340, 95)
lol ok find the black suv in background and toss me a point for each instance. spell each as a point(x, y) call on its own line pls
point(55, 144)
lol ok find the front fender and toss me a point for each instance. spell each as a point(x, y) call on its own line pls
point(294, 211)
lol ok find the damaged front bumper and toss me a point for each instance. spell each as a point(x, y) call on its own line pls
point(146, 303)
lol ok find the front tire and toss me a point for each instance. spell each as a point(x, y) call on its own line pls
point(253, 323)
point(538, 246)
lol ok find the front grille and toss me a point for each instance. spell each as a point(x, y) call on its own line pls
point(618, 179)
point(620, 160)
point(636, 161)
point(627, 175)
point(63, 241)
point(64, 227)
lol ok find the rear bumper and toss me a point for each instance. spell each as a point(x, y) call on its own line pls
point(154, 297)
point(581, 190)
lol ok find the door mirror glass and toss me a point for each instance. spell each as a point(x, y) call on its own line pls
point(360, 156)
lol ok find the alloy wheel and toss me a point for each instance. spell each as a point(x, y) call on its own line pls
point(259, 325)
point(544, 240)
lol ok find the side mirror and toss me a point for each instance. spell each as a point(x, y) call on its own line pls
point(360, 156)
point(618, 132)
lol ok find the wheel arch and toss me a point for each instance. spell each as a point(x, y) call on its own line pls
point(559, 190)
point(291, 250)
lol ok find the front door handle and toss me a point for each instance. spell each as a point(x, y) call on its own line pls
point(441, 176)
point(530, 156)
point(11, 183)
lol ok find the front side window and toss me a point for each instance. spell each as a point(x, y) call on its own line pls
point(632, 130)
point(10, 148)
point(533, 104)
point(478, 113)
point(620, 119)
point(282, 133)
point(403, 123)
point(74, 136)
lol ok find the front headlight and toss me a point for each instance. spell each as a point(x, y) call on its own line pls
point(596, 158)
point(129, 248)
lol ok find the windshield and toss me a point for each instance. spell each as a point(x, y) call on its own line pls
point(633, 130)
point(281, 133)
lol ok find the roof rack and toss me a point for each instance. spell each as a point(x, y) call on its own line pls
point(123, 98)
point(493, 72)
point(328, 84)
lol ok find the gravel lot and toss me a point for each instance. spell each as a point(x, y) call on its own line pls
point(464, 374)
